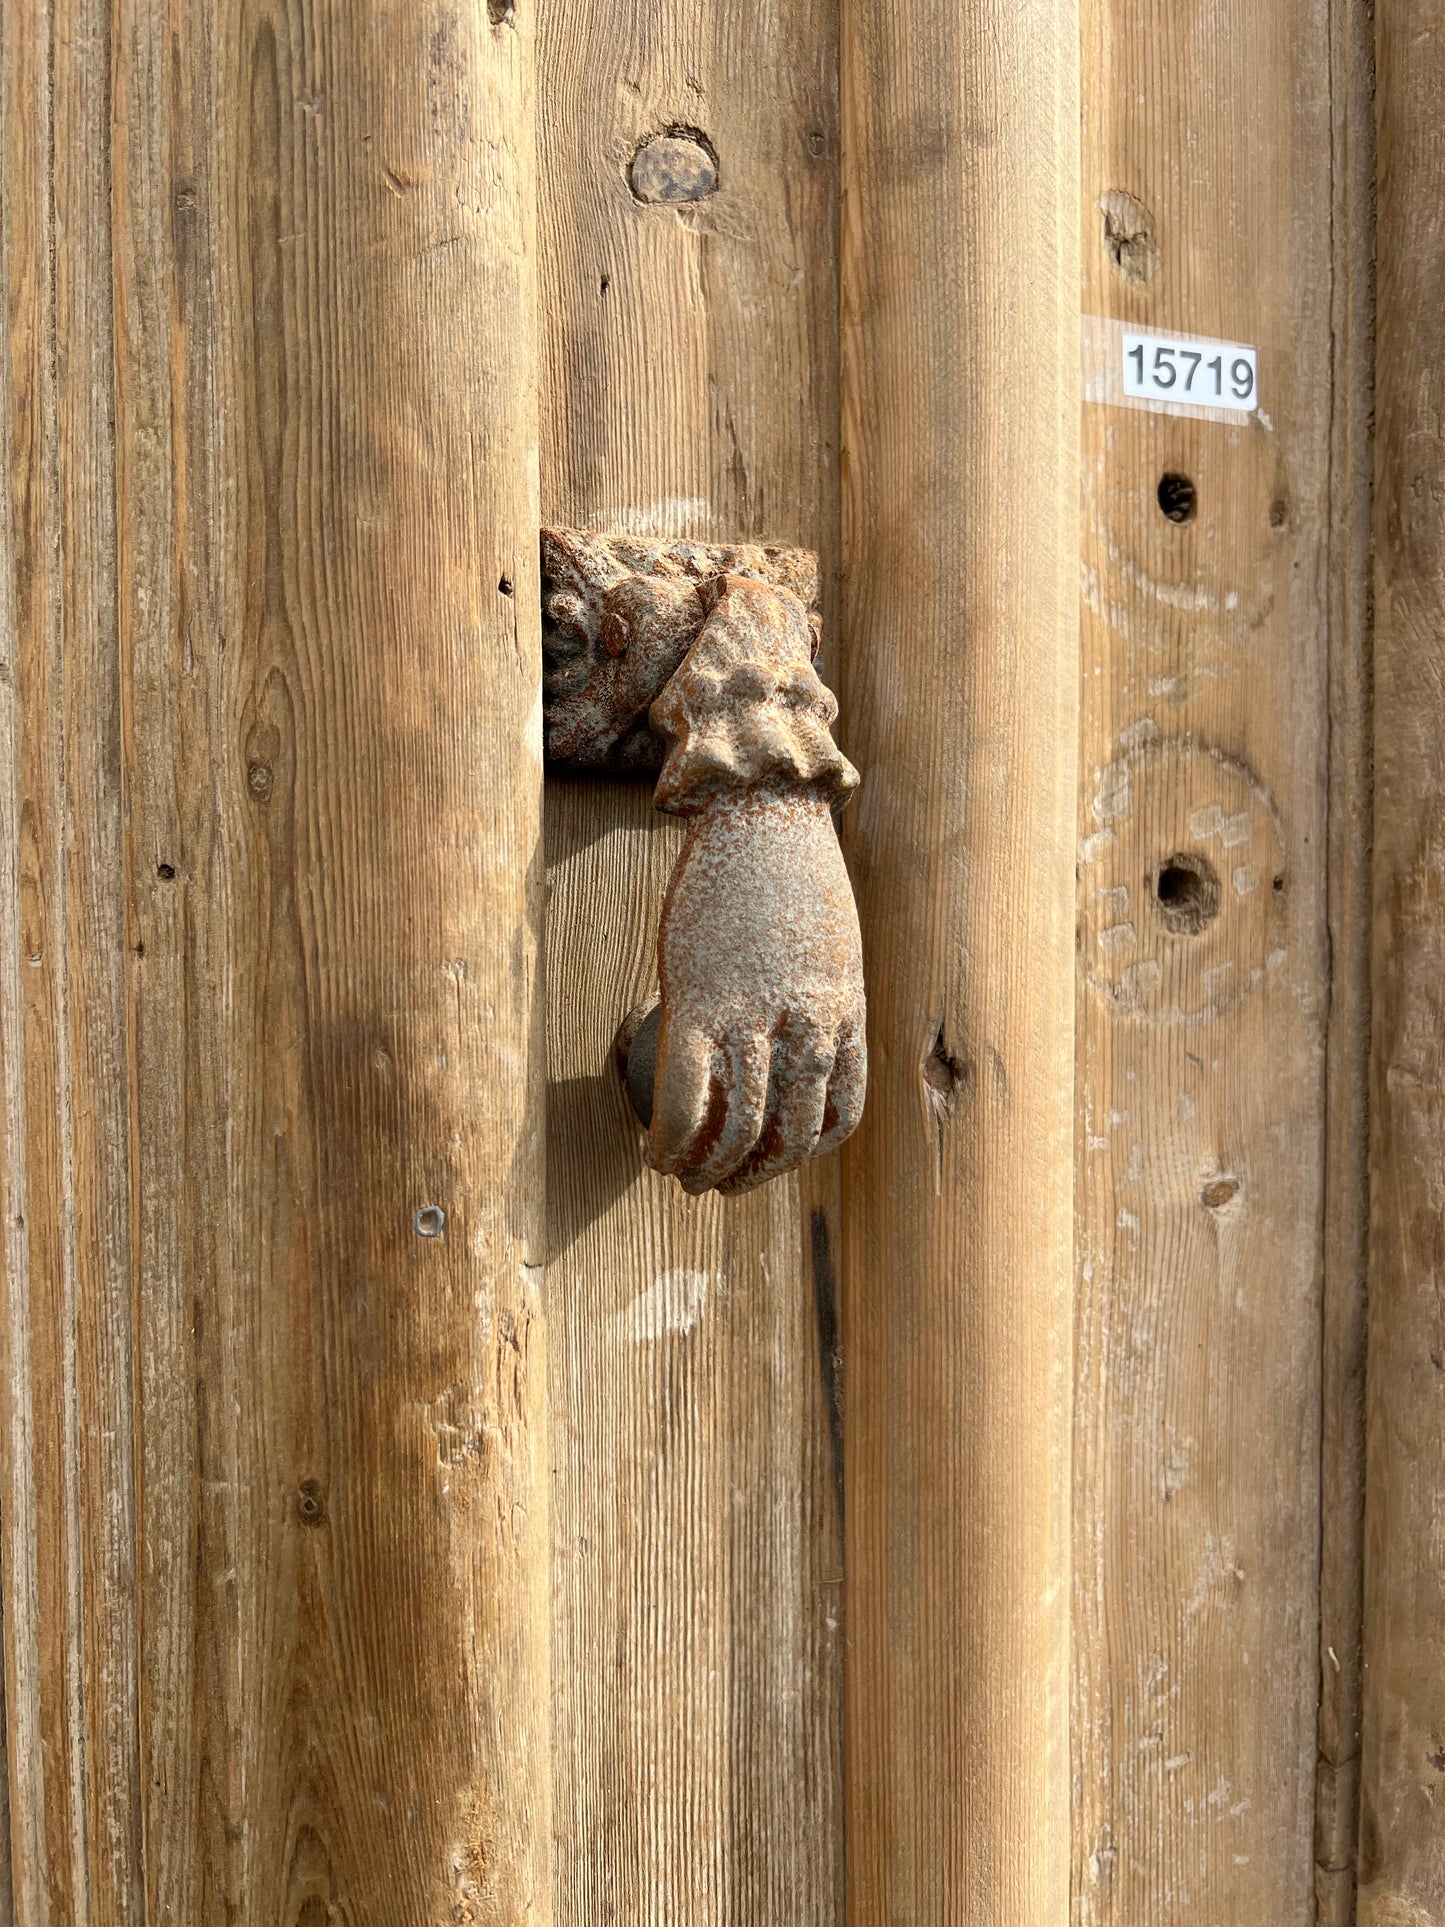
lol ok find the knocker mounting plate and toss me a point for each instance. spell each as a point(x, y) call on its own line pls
point(619, 614)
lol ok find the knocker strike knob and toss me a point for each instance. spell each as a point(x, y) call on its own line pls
point(696, 662)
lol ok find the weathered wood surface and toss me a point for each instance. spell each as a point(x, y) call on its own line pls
point(273, 1490)
point(68, 1497)
point(959, 690)
point(1402, 1821)
point(274, 1532)
point(690, 388)
point(1200, 1093)
point(1346, 1168)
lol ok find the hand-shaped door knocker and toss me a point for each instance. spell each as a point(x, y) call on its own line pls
point(697, 661)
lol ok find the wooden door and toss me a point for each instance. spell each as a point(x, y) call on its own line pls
point(414, 1510)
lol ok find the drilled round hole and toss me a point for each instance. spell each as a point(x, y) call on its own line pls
point(1186, 893)
point(1178, 500)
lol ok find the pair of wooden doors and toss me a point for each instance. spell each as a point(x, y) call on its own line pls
point(411, 1514)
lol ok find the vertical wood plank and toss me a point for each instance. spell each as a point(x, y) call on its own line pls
point(68, 1499)
point(275, 1500)
point(689, 389)
point(1402, 1840)
point(1346, 1170)
point(1202, 1003)
point(960, 708)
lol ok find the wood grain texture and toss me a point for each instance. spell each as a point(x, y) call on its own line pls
point(1346, 1170)
point(959, 705)
point(1207, 196)
point(274, 1494)
point(68, 1498)
point(1402, 1836)
point(690, 388)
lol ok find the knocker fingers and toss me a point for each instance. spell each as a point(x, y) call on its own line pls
point(803, 1056)
point(681, 1093)
point(707, 1104)
point(847, 1087)
point(733, 1114)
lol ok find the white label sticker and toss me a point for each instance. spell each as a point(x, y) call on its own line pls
point(1190, 372)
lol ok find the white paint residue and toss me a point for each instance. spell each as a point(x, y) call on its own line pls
point(1176, 1469)
point(1216, 1567)
point(1114, 901)
point(672, 1303)
point(1102, 1861)
point(1139, 979)
point(532, 731)
point(678, 517)
point(1217, 981)
point(1189, 598)
point(1114, 796)
point(1138, 734)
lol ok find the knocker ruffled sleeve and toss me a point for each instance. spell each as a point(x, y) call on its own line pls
point(746, 709)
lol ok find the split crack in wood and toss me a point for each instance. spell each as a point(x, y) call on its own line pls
point(696, 661)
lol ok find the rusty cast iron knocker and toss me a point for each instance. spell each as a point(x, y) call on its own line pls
point(696, 661)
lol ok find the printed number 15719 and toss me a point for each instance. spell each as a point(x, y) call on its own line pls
point(1195, 374)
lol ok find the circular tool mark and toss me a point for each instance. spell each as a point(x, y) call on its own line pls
point(1179, 919)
